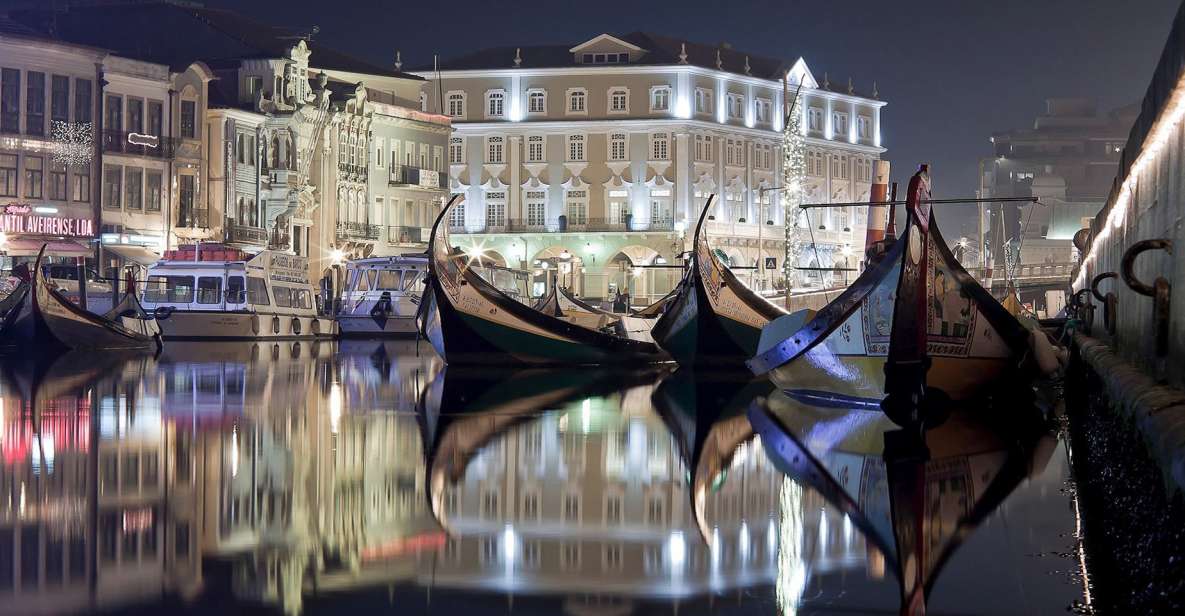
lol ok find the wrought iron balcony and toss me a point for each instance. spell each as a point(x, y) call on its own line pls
point(244, 234)
point(407, 235)
point(357, 231)
point(406, 175)
point(139, 144)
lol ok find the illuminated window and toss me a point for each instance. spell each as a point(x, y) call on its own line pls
point(660, 98)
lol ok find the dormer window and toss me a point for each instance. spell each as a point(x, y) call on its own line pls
point(604, 58)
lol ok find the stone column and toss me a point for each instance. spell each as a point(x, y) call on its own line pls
point(682, 163)
point(514, 194)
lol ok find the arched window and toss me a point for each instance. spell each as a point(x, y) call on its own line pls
point(289, 153)
point(275, 151)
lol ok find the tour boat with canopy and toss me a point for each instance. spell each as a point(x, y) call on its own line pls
point(382, 295)
point(468, 320)
point(208, 291)
point(713, 317)
point(915, 315)
point(917, 498)
point(39, 316)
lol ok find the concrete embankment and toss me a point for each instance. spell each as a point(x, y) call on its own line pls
point(1156, 412)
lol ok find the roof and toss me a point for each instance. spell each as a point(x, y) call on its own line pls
point(149, 31)
point(660, 50)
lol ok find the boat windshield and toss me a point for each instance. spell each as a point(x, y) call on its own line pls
point(169, 289)
point(235, 293)
point(389, 280)
point(209, 290)
point(257, 291)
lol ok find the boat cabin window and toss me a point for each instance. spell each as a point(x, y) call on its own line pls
point(389, 281)
point(412, 280)
point(209, 290)
point(366, 279)
point(283, 296)
point(257, 292)
point(235, 293)
point(169, 290)
point(302, 299)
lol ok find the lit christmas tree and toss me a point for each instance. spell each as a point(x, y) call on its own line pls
point(793, 179)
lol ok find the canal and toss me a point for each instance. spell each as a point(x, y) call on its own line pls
point(318, 478)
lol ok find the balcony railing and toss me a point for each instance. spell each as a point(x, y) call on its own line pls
point(407, 235)
point(565, 225)
point(357, 231)
point(243, 234)
point(138, 144)
point(406, 175)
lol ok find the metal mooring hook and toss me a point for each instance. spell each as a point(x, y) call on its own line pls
point(1159, 290)
point(1110, 301)
point(1083, 309)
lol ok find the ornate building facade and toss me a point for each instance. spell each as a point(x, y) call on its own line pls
point(602, 154)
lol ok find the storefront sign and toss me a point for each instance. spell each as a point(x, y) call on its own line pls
point(289, 268)
point(21, 218)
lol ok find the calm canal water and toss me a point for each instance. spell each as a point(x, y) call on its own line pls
point(366, 476)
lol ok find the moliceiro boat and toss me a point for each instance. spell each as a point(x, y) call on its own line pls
point(713, 317)
point(40, 317)
point(914, 315)
point(211, 292)
point(468, 320)
point(560, 303)
point(382, 295)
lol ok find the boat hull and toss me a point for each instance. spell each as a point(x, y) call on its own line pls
point(366, 326)
point(863, 376)
point(218, 325)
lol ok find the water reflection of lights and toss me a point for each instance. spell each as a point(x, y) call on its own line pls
point(791, 566)
point(335, 406)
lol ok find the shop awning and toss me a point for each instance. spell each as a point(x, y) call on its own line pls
point(136, 254)
point(21, 247)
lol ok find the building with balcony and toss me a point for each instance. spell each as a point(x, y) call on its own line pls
point(605, 151)
point(1068, 160)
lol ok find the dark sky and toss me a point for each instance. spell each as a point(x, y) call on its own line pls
point(952, 71)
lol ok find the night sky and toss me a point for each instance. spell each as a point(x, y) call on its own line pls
point(952, 71)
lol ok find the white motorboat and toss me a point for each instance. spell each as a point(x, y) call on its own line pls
point(382, 295)
point(211, 292)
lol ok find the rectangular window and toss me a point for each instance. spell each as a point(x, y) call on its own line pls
point(35, 104)
point(764, 107)
point(495, 213)
point(10, 100)
point(235, 292)
point(536, 211)
point(814, 119)
point(81, 189)
point(736, 105)
point(619, 101)
point(456, 151)
point(704, 148)
point(536, 102)
point(156, 122)
point(862, 127)
point(34, 177)
point(535, 149)
point(57, 182)
point(617, 146)
point(8, 177)
point(839, 123)
point(659, 146)
point(571, 507)
point(495, 103)
point(189, 119)
point(456, 105)
point(257, 292)
point(613, 509)
point(59, 105)
point(113, 114)
point(209, 290)
point(135, 115)
point(112, 186)
point(185, 203)
point(494, 150)
point(703, 100)
point(660, 99)
point(82, 100)
point(133, 181)
point(576, 209)
point(576, 102)
point(152, 190)
point(576, 148)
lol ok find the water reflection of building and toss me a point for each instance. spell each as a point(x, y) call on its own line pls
point(593, 502)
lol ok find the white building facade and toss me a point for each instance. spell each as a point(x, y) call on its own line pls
point(599, 158)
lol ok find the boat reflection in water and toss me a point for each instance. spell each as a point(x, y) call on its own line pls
point(312, 477)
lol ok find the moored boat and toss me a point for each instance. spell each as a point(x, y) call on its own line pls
point(713, 317)
point(468, 320)
point(43, 318)
point(915, 314)
point(560, 303)
point(382, 295)
point(210, 292)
